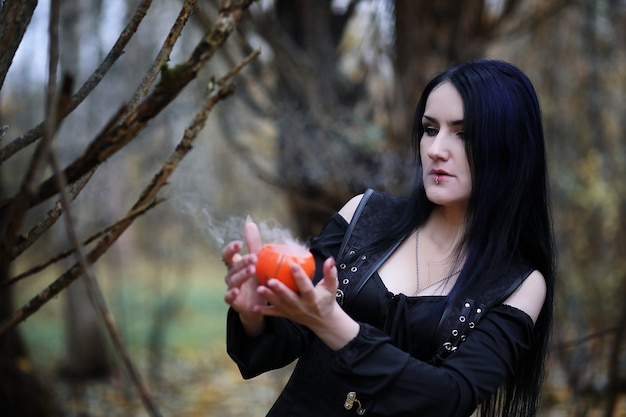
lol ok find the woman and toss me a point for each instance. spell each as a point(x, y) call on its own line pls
point(438, 303)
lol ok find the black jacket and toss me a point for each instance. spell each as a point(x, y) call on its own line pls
point(411, 357)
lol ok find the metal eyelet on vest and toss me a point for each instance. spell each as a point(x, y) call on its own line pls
point(471, 324)
point(351, 253)
point(345, 281)
point(447, 346)
point(339, 296)
point(363, 257)
point(462, 319)
point(354, 269)
point(342, 266)
point(479, 310)
point(463, 337)
point(455, 332)
point(467, 305)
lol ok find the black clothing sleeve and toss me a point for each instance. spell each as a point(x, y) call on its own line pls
point(281, 342)
point(388, 381)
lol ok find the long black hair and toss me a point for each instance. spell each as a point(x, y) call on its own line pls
point(508, 217)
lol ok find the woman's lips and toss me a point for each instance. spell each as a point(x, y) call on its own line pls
point(439, 176)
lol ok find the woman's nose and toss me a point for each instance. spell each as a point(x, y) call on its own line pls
point(437, 149)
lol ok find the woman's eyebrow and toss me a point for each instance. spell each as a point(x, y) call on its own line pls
point(430, 119)
point(434, 120)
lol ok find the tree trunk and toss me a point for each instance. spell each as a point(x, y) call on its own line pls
point(21, 392)
point(430, 37)
point(86, 351)
point(312, 93)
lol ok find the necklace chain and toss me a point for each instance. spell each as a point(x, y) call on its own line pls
point(417, 268)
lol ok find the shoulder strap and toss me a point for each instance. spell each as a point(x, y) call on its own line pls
point(356, 263)
point(459, 319)
point(355, 218)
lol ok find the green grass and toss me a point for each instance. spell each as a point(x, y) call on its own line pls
point(133, 295)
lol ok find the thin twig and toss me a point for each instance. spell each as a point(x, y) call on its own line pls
point(162, 57)
point(92, 82)
point(25, 241)
point(237, 69)
point(64, 254)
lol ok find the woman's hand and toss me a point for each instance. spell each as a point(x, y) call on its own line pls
point(312, 306)
point(241, 281)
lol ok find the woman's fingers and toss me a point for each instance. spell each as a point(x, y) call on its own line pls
point(278, 296)
point(231, 295)
point(304, 283)
point(302, 280)
point(330, 280)
point(241, 270)
point(253, 236)
point(231, 251)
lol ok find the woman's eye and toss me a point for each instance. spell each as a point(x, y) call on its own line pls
point(461, 134)
point(430, 131)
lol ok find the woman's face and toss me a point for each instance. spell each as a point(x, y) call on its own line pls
point(447, 176)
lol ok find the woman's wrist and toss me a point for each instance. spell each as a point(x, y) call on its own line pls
point(253, 324)
point(338, 330)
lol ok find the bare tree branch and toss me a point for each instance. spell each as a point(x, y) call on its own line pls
point(15, 17)
point(146, 198)
point(17, 211)
point(58, 209)
point(25, 241)
point(173, 80)
point(92, 82)
point(163, 56)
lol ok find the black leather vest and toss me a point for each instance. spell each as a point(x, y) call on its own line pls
point(375, 214)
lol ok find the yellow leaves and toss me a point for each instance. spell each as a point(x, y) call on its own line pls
point(598, 191)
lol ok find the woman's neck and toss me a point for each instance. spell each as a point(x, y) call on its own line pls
point(445, 229)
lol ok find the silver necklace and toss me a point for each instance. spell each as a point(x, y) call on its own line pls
point(417, 268)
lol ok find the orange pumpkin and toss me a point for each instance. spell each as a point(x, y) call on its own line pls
point(274, 260)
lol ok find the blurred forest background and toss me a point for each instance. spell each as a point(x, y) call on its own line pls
point(104, 99)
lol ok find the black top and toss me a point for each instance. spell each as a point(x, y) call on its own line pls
point(389, 365)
